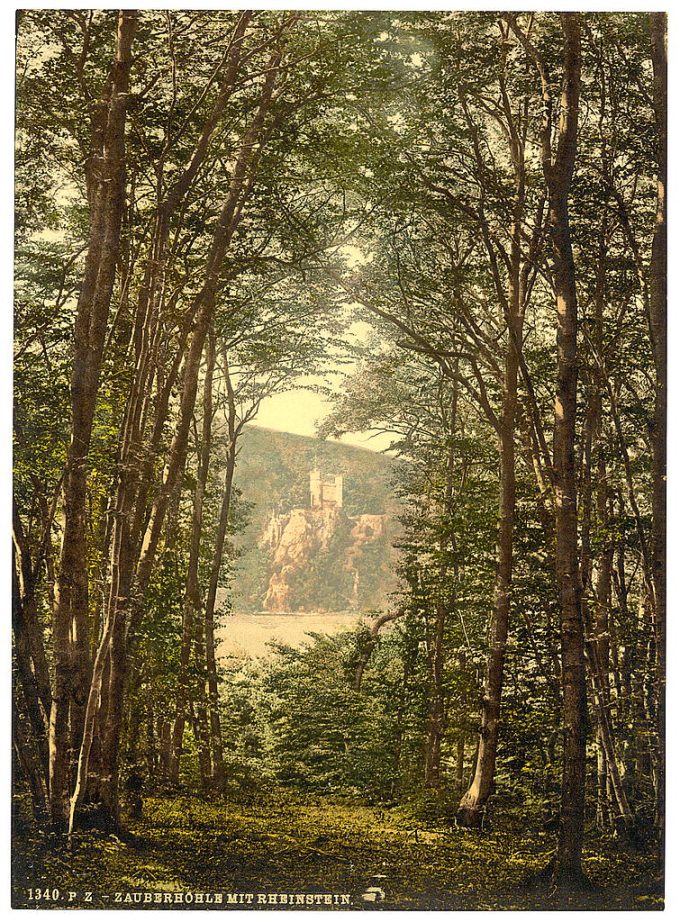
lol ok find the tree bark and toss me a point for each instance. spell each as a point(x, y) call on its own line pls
point(233, 430)
point(31, 768)
point(473, 803)
point(558, 169)
point(437, 712)
point(445, 605)
point(658, 311)
point(567, 862)
point(192, 595)
point(31, 663)
point(216, 744)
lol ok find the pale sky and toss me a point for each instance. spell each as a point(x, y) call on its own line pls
point(299, 411)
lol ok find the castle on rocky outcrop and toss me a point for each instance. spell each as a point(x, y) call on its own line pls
point(322, 495)
point(322, 559)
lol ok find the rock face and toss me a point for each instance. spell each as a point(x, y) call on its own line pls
point(322, 559)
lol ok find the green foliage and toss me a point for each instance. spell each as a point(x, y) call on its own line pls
point(326, 737)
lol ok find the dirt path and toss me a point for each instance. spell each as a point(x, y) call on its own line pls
point(186, 854)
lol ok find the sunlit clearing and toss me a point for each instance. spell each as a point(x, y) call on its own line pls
point(354, 256)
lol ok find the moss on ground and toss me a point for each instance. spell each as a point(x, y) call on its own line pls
point(184, 845)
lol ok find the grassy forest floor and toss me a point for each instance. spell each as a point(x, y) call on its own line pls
point(184, 846)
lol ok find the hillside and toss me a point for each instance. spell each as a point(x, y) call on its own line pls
point(295, 558)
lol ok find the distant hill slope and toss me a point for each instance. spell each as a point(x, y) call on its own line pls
point(334, 562)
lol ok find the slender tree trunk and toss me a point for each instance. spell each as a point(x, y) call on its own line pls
point(31, 768)
point(25, 576)
point(658, 310)
point(460, 745)
point(192, 594)
point(201, 723)
point(445, 605)
point(603, 813)
point(624, 819)
point(28, 684)
point(597, 640)
point(216, 744)
point(567, 862)
point(165, 747)
point(473, 803)
point(437, 715)
point(558, 169)
point(150, 749)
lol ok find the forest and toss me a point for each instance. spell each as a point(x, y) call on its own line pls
point(457, 220)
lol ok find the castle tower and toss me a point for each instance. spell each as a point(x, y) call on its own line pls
point(324, 493)
point(315, 489)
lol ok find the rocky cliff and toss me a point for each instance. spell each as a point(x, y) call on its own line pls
point(324, 560)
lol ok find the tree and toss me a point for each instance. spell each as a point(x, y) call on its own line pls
point(558, 167)
point(658, 334)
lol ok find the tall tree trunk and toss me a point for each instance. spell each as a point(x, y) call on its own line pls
point(107, 197)
point(658, 310)
point(201, 723)
point(165, 746)
point(233, 431)
point(150, 749)
point(624, 819)
point(615, 809)
point(603, 814)
point(192, 594)
point(37, 710)
point(25, 576)
point(513, 302)
point(445, 605)
point(558, 169)
point(473, 803)
point(216, 745)
point(596, 644)
point(437, 714)
point(567, 862)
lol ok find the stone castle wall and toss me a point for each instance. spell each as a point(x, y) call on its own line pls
point(324, 492)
